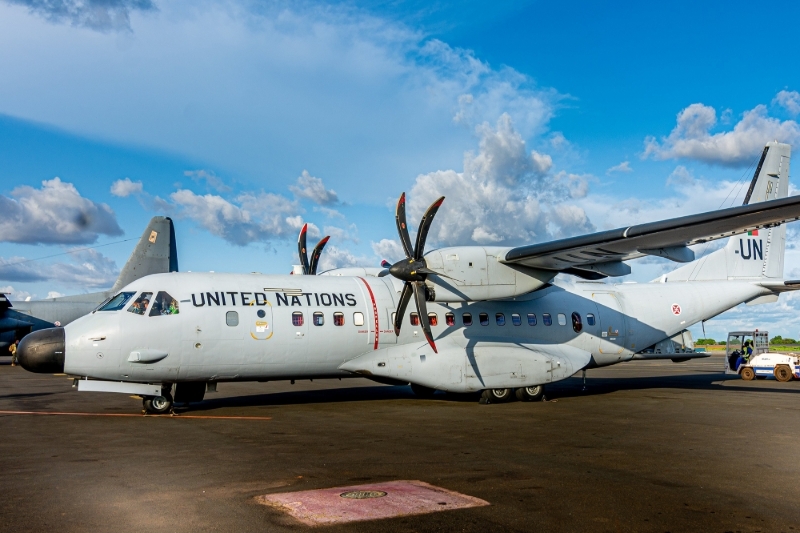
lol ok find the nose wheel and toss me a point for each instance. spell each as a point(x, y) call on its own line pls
point(158, 405)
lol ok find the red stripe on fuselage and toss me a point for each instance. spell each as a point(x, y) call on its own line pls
point(374, 311)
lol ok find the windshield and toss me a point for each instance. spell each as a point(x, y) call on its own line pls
point(117, 302)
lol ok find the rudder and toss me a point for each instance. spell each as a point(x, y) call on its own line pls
point(156, 253)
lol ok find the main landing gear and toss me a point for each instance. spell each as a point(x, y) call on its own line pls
point(524, 394)
point(158, 405)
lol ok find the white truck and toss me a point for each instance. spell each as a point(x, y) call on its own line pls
point(761, 363)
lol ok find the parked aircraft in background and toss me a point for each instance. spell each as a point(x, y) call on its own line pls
point(154, 254)
point(484, 318)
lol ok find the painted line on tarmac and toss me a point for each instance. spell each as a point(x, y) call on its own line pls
point(200, 417)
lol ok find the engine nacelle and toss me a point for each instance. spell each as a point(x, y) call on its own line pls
point(476, 273)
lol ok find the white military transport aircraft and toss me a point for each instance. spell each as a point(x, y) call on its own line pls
point(485, 318)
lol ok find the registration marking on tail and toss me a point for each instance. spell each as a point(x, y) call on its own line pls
point(373, 501)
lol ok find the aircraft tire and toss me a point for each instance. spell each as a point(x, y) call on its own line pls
point(748, 374)
point(158, 405)
point(499, 395)
point(530, 394)
point(423, 392)
point(783, 373)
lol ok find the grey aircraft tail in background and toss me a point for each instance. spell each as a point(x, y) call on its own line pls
point(155, 253)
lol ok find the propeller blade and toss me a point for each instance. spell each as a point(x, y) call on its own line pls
point(424, 226)
point(419, 296)
point(405, 296)
point(312, 269)
point(385, 263)
point(301, 248)
point(402, 227)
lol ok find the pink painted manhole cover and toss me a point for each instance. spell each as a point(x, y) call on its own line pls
point(367, 502)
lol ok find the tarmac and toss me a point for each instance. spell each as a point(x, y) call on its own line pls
point(649, 446)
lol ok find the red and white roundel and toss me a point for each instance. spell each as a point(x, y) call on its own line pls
point(676, 309)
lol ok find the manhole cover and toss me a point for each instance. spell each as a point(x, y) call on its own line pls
point(363, 494)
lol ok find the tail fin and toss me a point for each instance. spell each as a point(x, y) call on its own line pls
point(759, 254)
point(156, 253)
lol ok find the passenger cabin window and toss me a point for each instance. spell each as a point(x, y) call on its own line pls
point(433, 319)
point(139, 306)
point(338, 319)
point(577, 325)
point(484, 319)
point(318, 318)
point(414, 319)
point(358, 319)
point(515, 319)
point(164, 304)
point(500, 318)
point(297, 318)
point(547, 319)
point(450, 319)
point(590, 319)
point(232, 318)
point(562, 319)
point(117, 302)
point(466, 318)
point(531, 319)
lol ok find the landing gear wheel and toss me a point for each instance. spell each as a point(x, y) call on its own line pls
point(783, 373)
point(498, 395)
point(530, 394)
point(158, 405)
point(748, 374)
point(423, 392)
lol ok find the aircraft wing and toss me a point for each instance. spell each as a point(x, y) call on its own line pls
point(601, 254)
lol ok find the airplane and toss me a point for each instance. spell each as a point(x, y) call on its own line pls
point(155, 253)
point(493, 320)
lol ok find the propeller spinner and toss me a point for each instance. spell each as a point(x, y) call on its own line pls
point(413, 269)
point(309, 267)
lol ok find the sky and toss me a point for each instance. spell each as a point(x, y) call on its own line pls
point(242, 120)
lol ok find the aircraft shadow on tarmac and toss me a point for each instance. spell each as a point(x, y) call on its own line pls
point(569, 388)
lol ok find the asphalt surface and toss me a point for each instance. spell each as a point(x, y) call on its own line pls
point(650, 446)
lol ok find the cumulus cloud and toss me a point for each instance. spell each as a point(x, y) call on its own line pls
point(692, 138)
point(54, 214)
point(84, 268)
point(102, 15)
point(125, 187)
point(210, 178)
point(789, 100)
point(14, 294)
point(625, 166)
point(335, 257)
point(310, 188)
point(389, 249)
point(504, 195)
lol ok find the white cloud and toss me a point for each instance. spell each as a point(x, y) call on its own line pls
point(54, 294)
point(503, 196)
point(210, 178)
point(328, 212)
point(54, 214)
point(310, 188)
point(335, 257)
point(625, 166)
point(389, 249)
point(125, 187)
point(14, 294)
point(789, 100)
point(341, 234)
point(692, 138)
point(84, 268)
point(102, 15)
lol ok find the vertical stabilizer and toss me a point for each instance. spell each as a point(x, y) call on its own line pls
point(758, 254)
point(156, 253)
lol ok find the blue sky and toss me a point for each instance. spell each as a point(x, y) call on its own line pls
point(242, 120)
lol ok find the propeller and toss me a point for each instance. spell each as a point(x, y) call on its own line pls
point(309, 268)
point(413, 270)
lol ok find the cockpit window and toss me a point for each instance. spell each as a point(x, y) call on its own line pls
point(164, 304)
point(139, 306)
point(117, 302)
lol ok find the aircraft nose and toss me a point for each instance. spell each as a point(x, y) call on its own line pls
point(42, 351)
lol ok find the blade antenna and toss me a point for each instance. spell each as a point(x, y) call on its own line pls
point(301, 249)
point(315, 255)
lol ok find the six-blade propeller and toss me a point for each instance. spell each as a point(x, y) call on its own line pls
point(309, 268)
point(413, 269)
